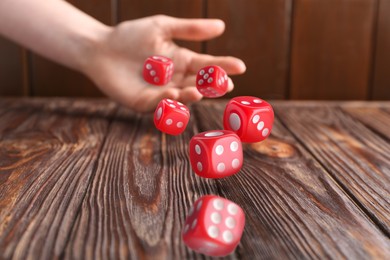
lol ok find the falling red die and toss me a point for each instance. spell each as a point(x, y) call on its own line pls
point(216, 154)
point(212, 81)
point(171, 116)
point(214, 226)
point(251, 118)
point(158, 70)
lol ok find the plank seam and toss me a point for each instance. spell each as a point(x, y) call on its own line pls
point(288, 82)
point(205, 11)
point(114, 12)
point(371, 217)
point(374, 41)
point(93, 174)
point(368, 126)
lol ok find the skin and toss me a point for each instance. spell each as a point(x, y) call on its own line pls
point(113, 56)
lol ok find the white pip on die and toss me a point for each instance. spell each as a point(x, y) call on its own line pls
point(212, 81)
point(171, 116)
point(216, 154)
point(251, 118)
point(214, 226)
point(158, 70)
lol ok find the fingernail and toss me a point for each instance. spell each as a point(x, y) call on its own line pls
point(220, 24)
point(242, 65)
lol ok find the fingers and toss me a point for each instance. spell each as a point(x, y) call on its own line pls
point(189, 95)
point(190, 29)
point(191, 81)
point(151, 98)
point(230, 85)
point(148, 100)
point(231, 65)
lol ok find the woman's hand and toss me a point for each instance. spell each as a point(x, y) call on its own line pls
point(115, 64)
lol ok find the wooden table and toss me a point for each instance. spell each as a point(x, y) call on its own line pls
point(87, 179)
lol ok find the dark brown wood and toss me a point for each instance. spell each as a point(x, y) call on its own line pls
point(134, 9)
point(78, 182)
point(375, 116)
point(355, 156)
point(54, 80)
point(294, 209)
point(48, 151)
point(11, 69)
point(139, 196)
point(381, 89)
point(51, 79)
point(259, 33)
point(332, 49)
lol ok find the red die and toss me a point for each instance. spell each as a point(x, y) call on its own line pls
point(212, 81)
point(214, 226)
point(171, 117)
point(249, 117)
point(158, 70)
point(216, 154)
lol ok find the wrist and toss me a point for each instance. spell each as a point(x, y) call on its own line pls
point(91, 44)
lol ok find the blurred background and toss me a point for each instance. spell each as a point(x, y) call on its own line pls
point(294, 49)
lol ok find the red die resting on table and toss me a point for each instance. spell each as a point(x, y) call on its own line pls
point(250, 118)
point(216, 154)
point(171, 117)
point(212, 81)
point(214, 226)
point(158, 70)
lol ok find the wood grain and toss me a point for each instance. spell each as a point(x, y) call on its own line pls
point(47, 158)
point(294, 209)
point(11, 69)
point(332, 49)
point(138, 199)
point(51, 79)
point(85, 180)
point(134, 9)
point(144, 185)
point(353, 154)
point(259, 33)
point(381, 83)
point(374, 117)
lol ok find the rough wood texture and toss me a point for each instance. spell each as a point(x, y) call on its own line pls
point(294, 208)
point(259, 33)
point(48, 151)
point(374, 116)
point(381, 89)
point(354, 155)
point(81, 183)
point(139, 197)
point(332, 49)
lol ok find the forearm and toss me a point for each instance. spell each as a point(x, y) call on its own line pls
point(53, 29)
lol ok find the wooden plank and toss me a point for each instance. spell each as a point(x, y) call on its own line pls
point(134, 9)
point(259, 33)
point(381, 83)
point(144, 186)
point(11, 69)
point(332, 49)
point(139, 196)
point(376, 118)
point(356, 157)
point(51, 79)
point(48, 151)
point(293, 207)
